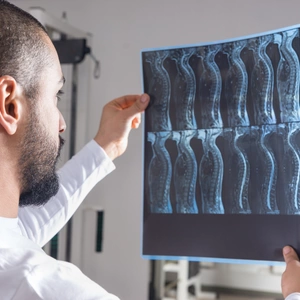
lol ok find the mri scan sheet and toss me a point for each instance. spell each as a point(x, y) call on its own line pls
point(222, 149)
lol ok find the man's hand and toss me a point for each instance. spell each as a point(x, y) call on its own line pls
point(290, 281)
point(118, 117)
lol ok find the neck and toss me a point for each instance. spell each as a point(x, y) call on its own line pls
point(9, 202)
point(9, 187)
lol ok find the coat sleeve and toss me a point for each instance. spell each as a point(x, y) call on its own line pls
point(294, 296)
point(77, 177)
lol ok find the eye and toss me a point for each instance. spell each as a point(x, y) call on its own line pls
point(59, 94)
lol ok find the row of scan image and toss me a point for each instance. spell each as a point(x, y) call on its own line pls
point(241, 170)
point(248, 82)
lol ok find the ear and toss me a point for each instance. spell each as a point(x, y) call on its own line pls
point(10, 106)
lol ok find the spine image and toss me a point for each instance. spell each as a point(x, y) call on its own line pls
point(288, 77)
point(184, 90)
point(185, 173)
point(265, 163)
point(223, 127)
point(291, 167)
point(262, 82)
point(160, 173)
point(239, 170)
point(236, 85)
point(210, 86)
point(160, 92)
point(211, 172)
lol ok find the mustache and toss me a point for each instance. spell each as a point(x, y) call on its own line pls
point(60, 146)
point(61, 143)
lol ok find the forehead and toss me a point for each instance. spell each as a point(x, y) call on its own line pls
point(53, 71)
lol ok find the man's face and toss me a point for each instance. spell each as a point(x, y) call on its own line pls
point(41, 145)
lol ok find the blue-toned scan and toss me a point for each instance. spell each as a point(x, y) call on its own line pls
point(184, 89)
point(236, 85)
point(288, 77)
point(265, 170)
point(291, 167)
point(210, 87)
point(185, 173)
point(262, 81)
point(223, 127)
point(238, 170)
point(160, 172)
point(160, 91)
point(211, 172)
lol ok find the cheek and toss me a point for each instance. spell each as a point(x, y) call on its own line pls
point(52, 122)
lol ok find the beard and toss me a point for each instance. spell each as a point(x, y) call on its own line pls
point(37, 164)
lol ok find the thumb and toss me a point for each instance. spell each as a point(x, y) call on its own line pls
point(289, 254)
point(138, 106)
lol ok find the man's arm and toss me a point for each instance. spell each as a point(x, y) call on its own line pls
point(85, 169)
point(290, 281)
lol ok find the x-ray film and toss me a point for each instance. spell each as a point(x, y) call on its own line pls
point(222, 149)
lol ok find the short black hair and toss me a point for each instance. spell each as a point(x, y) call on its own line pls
point(23, 49)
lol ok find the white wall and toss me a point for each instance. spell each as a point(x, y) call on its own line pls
point(120, 30)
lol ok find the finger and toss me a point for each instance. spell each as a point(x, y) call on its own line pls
point(289, 254)
point(125, 101)
point(138, 106)
point(136, 121)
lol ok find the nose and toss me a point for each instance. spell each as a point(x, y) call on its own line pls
point(62, 123)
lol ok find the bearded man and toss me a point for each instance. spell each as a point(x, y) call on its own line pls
point(35, 201)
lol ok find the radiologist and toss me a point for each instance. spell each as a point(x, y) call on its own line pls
point(36, 201)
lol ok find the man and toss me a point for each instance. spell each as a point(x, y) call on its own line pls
point(30, 124)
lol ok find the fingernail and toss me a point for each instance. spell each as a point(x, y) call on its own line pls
point(144, 98)
point(286, 250)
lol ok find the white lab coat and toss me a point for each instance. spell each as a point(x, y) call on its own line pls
point(26, 271)
point(294, 296)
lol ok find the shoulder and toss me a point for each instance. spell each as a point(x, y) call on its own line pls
point(36, 275)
